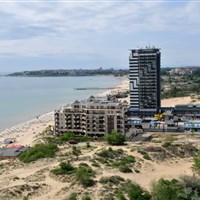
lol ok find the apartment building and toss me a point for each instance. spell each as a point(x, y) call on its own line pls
point(144, 77)
point(92, 117)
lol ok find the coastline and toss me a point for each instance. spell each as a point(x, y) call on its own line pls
point(25, 133)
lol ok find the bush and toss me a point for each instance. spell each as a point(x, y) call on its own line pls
point(166, 144)
point(71, 136)
point(73, 196)
point(119, 195)
point(115, 138)
point(125, 169)
point(86, 196)
point(39, 151)
point(196, 164)
point(135, 192)
point(112, 180)
point(76, 151)
point(165, 190)
point(128, 159)
point(84, 174)
point(65, 168)
point(110, 153)
point(191, 186)
point(145, 154)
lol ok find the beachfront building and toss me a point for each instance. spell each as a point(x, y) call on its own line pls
point(92, 117)
point(144, 78)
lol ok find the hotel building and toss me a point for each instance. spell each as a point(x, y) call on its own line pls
point(92, 117)
point(144, 78)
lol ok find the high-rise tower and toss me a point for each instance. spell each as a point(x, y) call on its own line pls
point(144, 77)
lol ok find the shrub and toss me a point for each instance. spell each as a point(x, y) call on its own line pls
point(196, 164)
point(125, 169)
point(191, 186)
point(113, 180)
point(166, 144)
point(145, 154)
point(39, 151)
point(119, 195)
point(165, 190)
point(73, 196)
point(76, 151)
point(110, 153)
point(71, 136)
point(86, 196)
point(128, 159)
point(115, 138)
point(135, 192)
point(84, 174)
point(64, 168)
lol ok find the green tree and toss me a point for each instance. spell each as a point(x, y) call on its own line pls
point(115, 138)
point(166, 190)
point(191, 190)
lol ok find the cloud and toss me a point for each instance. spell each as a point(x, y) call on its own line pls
point(94, 28)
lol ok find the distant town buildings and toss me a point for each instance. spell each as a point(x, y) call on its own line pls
point(183, 70)
point(92, 117)
point(144, 77)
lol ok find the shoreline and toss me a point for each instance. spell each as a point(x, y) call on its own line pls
point(26, 132)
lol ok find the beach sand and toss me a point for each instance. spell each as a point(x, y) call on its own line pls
point(27, 132)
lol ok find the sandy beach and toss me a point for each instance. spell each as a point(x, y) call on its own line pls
point(27, 132)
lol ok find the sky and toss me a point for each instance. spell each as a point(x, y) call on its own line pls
point(91, 34)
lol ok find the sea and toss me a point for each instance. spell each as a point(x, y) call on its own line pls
point(24, 98)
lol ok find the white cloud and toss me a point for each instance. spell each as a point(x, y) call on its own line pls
point(89, 27)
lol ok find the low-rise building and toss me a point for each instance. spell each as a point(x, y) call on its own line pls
point(12, 152)
point(92, 117)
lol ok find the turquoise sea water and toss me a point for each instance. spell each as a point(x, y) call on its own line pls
point(23, 98)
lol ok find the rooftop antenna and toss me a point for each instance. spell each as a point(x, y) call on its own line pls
point(149, 45)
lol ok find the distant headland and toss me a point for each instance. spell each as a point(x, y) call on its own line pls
point(71, 72)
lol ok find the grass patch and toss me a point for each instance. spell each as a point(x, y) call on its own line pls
point(65, 138)
point(111, 180)
point(110, 153)
point(73, 196)
point(145, 154)
point(116, 159)
point(64, 168)
point(84, 174)
point(86, 196)
point(39, 151)
point(125, 169)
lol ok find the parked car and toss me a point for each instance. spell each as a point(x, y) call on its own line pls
point(73, 142)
